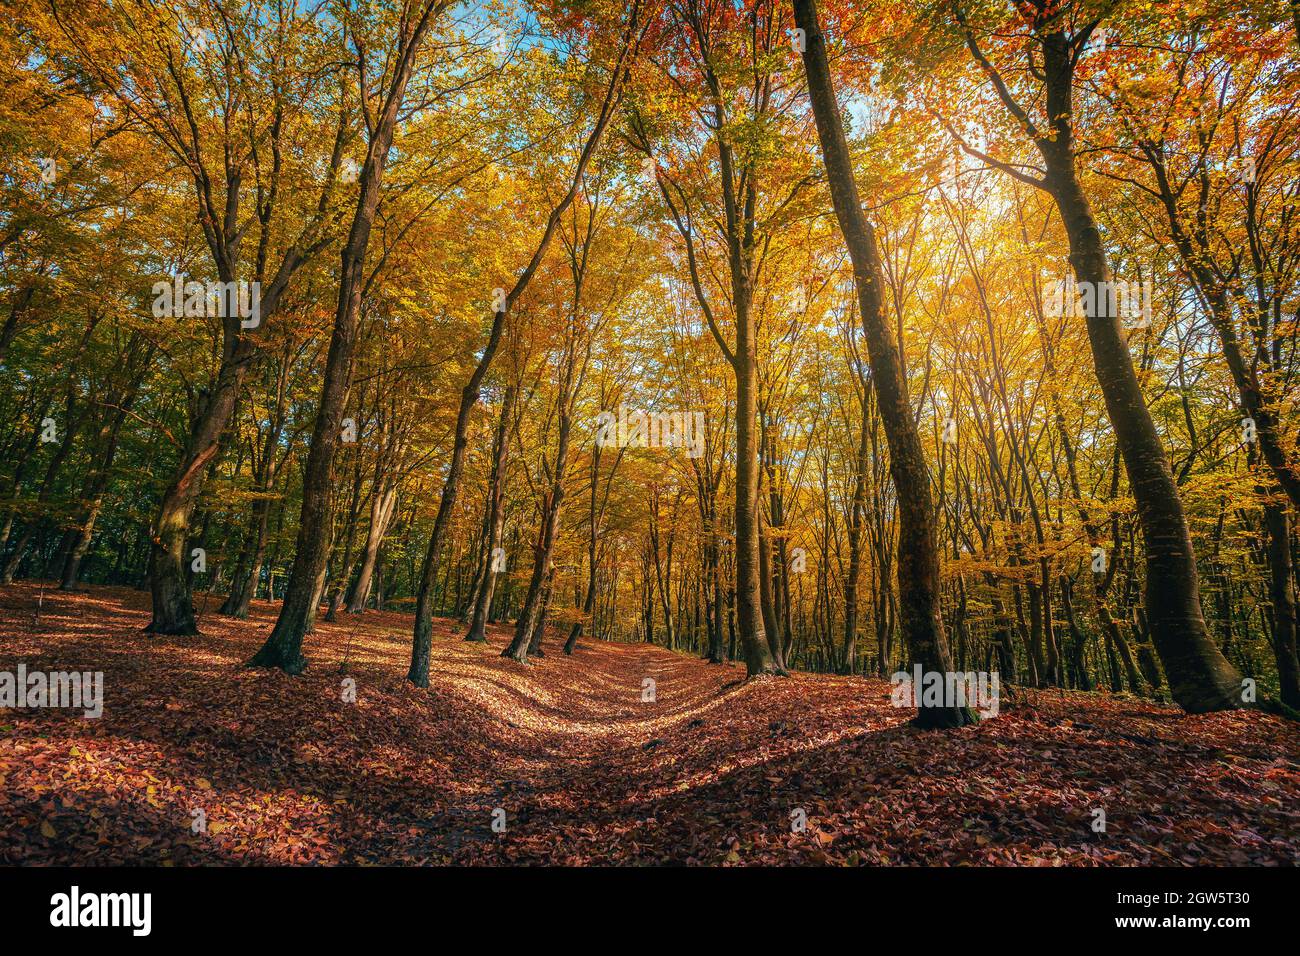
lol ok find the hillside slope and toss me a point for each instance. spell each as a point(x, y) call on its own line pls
point(714, 770)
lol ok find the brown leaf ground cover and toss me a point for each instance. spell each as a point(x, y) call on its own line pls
point(287, 772)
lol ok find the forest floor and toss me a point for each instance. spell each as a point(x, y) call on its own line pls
point(715, 770)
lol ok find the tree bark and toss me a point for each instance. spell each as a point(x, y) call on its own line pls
point(918, 558)
point(593, 519)
point(856, 507)
point(1282, 594)
point(422, 641)
point(283, 649)
point(482, 598)
point(1200, 678)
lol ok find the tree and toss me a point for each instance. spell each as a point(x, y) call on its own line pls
point(1200, 678)
point(283, 648)
point(630, 37)
point(918, 560)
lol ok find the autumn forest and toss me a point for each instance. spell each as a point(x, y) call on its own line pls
point(657, 431)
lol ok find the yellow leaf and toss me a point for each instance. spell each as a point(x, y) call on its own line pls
point(48, 831)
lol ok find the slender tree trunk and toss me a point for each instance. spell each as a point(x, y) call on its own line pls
point(25, 461)
point(482, 600)
point(533, 613)
point(283, 648)
point(767, 600)
point(422, 641)
point(749, 617)
point(1082, 679)
point(854, 574)
point(381, 515)
point(593, 518)
point(244, 587)
point(340, 580)
point(589, 602)
point(918, 557)
point(718, 653)
point(93, 493)
point(856, 507)
point(47, 487)
point(1200, 678)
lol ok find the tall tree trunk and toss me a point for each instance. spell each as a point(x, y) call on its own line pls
point(11, 566)
point(849, 654)
point(718, 648)
point(533, 613)
point(283, 648)
point(593, 519)
point(340, 580)
point(749, 606)
point(482, 599)
point(26, 458)
point(918, 557)
point(382, 509)
point(1200, 678)
point(93, 490)
point(244, 587)
point(767, 599)
point(539, 623)
point(1282, 595)
point(1079, 662)
point(173, 607)
point(422, 641)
